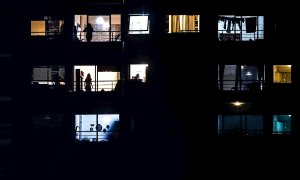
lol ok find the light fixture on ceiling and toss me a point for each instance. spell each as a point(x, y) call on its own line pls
point(237, 103)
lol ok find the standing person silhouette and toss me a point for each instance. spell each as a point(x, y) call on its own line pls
point(88, 83)
point(89, 32)
point(57, 79)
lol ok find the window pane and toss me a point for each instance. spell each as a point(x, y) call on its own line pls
point(183, 23)
point(116, 27)
point(45, 74)
point(240, 28)
point(254, 125)
point(282, 74)
point(108, 126)
point(38, 28)
point(240, 124)
point(138, 71)
point(138, 24)
point(101, 26)
point(282, 124)
point(85, 126)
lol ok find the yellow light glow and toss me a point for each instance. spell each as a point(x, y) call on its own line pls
point(38, 28)
point(237, 103)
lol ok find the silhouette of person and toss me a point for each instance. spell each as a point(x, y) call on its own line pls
point(137, 76)
point(89, 32)
point(57, 79)
point(75, 38)
point(88, 83)
point(62, 29)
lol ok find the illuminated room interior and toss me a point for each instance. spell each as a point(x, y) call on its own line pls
point(139, 24)
point(241, 77)
point(282, 124)
point(140, 69)
point(96, 128)
point(106, 27)
point(102, 79)
point(38, 28)
point(240, 124)
point(44, 74)
point(235, 28)
point(183, 23)
point(46, 27)
point(282, 73)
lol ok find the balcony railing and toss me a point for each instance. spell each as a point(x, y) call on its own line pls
point(240, 132)
point(92, 136)
point(96, 86)
point(282, 132)
point(98, 36)
point(240, 35)
point(81, 86)
point(101, 36)
point(241, 85)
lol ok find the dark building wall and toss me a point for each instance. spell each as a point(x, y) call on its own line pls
point(168, 125)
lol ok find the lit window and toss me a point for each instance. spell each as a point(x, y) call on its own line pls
point(47, 27)
point(241, 77)
point(139, 24)
point(240, 125)
point(96, 127)
point(38, 28)
point(105, 28)
point(101, 78)
point(282, 73)
point(282, 124)
point(240, 28)
point(49, 75)
point(139, 72)
point(183, 23)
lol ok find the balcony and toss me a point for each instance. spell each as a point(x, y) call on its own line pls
point(241, 78)
point(241, 85)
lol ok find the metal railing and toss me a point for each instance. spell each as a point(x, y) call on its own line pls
point(241, 132)
point(81, 86)
point(98, 36)
point(94, 136)
point(240, 35)
point(47, 35)
point(189, 31)
point(96, 86)
point(241, 85)
point(281, 132)
point(101, 36)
